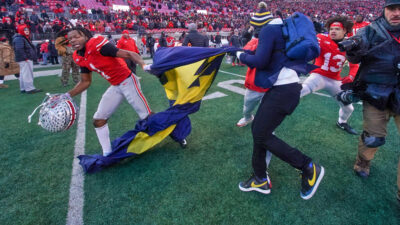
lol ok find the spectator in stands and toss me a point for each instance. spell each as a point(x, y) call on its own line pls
point(44, 15)
point(9, 66)
point(24, 56)
point(194, 38)
point(129, 44)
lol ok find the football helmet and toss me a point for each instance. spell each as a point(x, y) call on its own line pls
point(58, 112)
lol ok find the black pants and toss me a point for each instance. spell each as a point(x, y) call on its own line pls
point(277, 103)
point(54, 60)
point(131, 65)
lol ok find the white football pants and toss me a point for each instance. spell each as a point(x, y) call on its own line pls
point(130, 90)
point(317, 82)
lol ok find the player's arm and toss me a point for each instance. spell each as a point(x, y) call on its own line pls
point(86, 80)
point(112, 51)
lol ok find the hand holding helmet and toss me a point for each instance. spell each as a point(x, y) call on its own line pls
point(58, 112)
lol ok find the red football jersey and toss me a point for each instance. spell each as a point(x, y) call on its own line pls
point(330, 60)
point(113, 69)
point(358, 26)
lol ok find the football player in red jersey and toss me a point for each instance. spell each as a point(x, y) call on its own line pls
point(331, 61)
point(98, 55)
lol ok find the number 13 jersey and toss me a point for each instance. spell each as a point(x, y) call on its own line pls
point(330, 60)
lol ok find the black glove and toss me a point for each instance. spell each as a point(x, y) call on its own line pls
point(7, 65)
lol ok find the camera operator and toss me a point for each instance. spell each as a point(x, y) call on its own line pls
point(377, 48)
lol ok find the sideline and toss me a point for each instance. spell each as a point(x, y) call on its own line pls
point(76, 190)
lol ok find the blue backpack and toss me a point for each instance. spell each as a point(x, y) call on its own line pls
point(301, 38)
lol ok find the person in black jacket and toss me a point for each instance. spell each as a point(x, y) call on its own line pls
point(163, 40)
point(218, 42)
point(234, 41)
point(377, 83)
point(194, 38)
point(53, 53)
point(24, 55)
point(150, 44)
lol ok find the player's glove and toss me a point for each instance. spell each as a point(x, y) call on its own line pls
point(147, 68)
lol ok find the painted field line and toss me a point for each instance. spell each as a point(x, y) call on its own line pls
point(234, 74)
point(76, 193)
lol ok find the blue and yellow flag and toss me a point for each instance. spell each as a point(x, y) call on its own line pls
point(186, 74)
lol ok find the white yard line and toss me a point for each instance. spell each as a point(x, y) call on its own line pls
point(42, 73)
point(76, 191)
point(234, 74)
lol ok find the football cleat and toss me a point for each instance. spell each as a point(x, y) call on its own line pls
point(243, 121)
point(346, 127)
point(254, 184)
point(311, 177)
point(183, 143)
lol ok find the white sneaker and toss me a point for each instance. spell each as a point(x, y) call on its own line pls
point(243, 122)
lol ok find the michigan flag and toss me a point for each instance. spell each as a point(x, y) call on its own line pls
point(186, 74)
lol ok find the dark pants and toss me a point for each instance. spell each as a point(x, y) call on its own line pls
point(151, 50)
point(277, 103)
point(54, 60)
point(131, 65)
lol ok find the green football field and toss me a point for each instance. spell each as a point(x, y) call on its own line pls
point(196, 185)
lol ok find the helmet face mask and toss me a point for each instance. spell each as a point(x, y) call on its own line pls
point(58, 113)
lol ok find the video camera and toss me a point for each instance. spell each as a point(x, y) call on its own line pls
point(350, 44)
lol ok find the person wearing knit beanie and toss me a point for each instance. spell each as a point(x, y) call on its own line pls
point(260, 18)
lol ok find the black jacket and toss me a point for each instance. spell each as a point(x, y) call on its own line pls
point(378, 53)
point(23, 48)
point(195, 39)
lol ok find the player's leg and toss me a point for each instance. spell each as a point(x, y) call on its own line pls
point(109, 102)
point(313, 83)
point(251, 100)
point(345, 111)
point(135, 97)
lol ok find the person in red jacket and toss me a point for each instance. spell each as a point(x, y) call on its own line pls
point(129, 44)
point(98, 55)
point(253, 94)
point(45, 51)
point(331, 62)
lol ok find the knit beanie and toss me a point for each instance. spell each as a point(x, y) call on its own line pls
point(262, 16)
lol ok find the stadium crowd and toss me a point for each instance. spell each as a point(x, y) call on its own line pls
point(44, 18)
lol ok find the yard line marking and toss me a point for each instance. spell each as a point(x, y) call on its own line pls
point(214, 96)
point(76, 194)
point(234, 74)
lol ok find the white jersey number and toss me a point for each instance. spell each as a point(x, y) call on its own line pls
point(333, 68)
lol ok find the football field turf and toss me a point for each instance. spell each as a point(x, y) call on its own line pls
point(196, 185)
